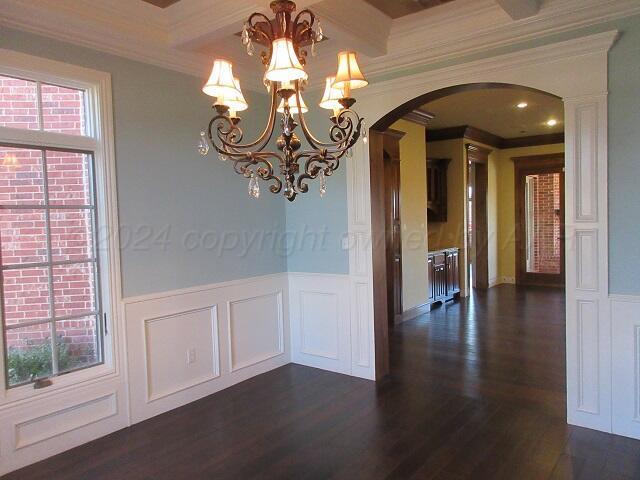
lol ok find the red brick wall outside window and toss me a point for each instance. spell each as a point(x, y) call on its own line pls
point(546, 221)
point(33, 177)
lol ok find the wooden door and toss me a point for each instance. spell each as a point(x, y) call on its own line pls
point(393, 240)
point(539, 188)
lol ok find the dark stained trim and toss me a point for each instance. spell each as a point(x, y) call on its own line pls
point(420, 117)
point(533, 141)
point(397, 134)
point(495, 141)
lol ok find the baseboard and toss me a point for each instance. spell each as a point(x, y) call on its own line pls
point(413, 313)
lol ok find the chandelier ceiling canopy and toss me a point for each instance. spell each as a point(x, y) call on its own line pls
point(285, 40)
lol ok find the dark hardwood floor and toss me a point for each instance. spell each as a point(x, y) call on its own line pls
point(477, 390)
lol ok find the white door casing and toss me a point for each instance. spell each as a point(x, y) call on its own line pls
point(576, 71)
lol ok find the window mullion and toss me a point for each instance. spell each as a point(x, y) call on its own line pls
point(39, 105)
point(47, 219)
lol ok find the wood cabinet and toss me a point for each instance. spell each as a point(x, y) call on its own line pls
point(443, 272)
point(437, 189)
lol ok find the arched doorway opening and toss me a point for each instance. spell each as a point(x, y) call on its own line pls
point(385, 289)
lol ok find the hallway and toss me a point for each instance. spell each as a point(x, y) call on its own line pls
point(476, 391)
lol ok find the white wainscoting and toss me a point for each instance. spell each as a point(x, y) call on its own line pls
point(625, 338)
point(320, 321)
point(41, 427)
point(187, 344)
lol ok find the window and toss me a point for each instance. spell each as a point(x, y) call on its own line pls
point(54, 268)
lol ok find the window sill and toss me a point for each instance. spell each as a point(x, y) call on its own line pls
point(13, 396)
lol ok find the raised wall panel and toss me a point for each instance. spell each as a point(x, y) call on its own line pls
point(586, 259)
point(54, 424)
point(236, 330)
point(170, 341)
point(362, 351)
point(625, 318)
point(255, 330)
point(319, 319)
point(586, 163)
point(588, 357)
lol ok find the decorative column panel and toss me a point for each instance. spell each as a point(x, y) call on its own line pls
point(588, 315)
point(360, 267)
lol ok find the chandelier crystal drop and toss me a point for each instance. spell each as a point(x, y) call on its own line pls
point(203, 146)
point(283, 42)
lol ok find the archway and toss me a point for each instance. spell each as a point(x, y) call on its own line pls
point(560, 69)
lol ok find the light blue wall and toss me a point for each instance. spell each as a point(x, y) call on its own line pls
point(167, 192)
point(162, 183)
point(624, 163)
point(315, 225)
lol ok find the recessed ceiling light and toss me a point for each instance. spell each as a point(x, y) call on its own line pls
point(552, 122)
point(522, 105)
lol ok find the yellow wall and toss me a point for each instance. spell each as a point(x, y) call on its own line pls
point(452, 232)
point(501, 205)
point(506, 206)
point(413, 214)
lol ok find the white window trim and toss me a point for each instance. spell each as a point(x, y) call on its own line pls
point(100, 140)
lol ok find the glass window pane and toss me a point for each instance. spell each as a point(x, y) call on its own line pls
point(18, 103)
point(23, 235)
point(543, 223)
point(74, 289)
point(29, 353)
point(78, 343)
point(71, 234)
point(68, 177)
point(63, 109)
point(26, 295)
point(21, 180)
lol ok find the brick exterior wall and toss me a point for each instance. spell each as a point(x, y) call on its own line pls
point(546, 212)
point(23, 232)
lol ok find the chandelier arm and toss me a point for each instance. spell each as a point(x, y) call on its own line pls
point(267, 21)
point(261, 167)
point(312, 167)
point(231, 137)
point(297, 33)
point(343, 125)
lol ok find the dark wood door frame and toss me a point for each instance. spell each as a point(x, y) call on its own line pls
point(376, 184)
point(531, 165)
point(479, 157)
point(393, 226)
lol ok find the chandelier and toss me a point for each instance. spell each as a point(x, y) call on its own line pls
point(285, 40)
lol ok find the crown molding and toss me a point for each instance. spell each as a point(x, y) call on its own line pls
point(487, 138)
point(176, 37)
point(479, 25)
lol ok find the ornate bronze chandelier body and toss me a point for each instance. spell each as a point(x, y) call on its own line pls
point(285, 40)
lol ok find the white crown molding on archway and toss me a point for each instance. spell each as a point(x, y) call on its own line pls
point(576, 71)
point(175, 37)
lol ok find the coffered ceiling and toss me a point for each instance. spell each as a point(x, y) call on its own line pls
point(400, 8)
point(184, 35)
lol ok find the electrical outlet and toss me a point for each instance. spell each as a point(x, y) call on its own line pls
point(191, 356)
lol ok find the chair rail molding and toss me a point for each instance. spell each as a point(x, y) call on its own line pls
point(558, 69)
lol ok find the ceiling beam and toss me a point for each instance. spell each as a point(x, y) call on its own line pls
point(519, 9)
point(356, 25)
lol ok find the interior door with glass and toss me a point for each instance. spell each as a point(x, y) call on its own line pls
point(539, 182)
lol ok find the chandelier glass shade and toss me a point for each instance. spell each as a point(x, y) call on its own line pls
point(284, 41)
